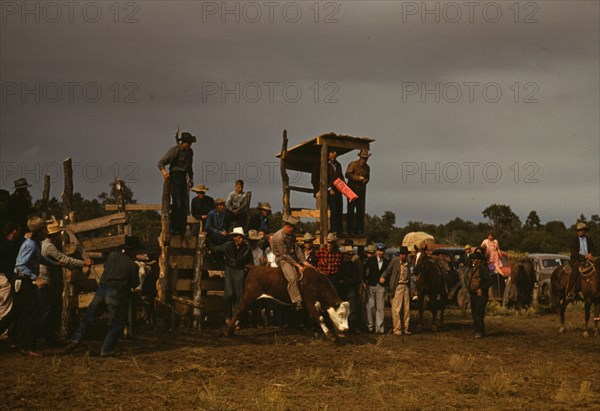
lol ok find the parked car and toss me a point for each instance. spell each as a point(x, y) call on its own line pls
point(544, 265)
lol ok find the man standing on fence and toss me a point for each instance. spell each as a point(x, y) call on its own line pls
point(179, 158)
point(358, 174)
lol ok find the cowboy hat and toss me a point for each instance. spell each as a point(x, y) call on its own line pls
point(308, 237)
point(253, 235)
point(291, 220)
point(364, 153)
point(347, 250)
point(581, 226)
point(200, 188)
point(53, 227)
point(219, 200)
point(36, 224)
point(331, 238)
point(264, 206)
point(237, 231)
point(187, 138)
point(132, 243)
point(21, 183)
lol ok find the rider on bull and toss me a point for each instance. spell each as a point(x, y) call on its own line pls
point(289, 257)
point(581, 250)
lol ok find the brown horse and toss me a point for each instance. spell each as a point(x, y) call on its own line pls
point(519, 288)
point(589, 284)
point(431, 283)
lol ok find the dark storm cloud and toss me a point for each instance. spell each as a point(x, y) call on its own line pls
point(166, 61)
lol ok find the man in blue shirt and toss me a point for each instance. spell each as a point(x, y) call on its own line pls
point(217, 223)
point(27, 280)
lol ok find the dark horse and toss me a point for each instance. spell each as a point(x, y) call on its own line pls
point(431, 283)
point(519, 288)
point(589, 284)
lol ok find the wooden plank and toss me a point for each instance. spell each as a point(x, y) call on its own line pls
point(182, 262)
point(301, 189)
point(178, 241)
point(213, 304)
point(285, 180)
point(191, 220)
point(103, 243)
point(337, 142)
point(324, 220)
point(307, 213)
point(216, 273)
point(100, 222)
point(196, 283)
point(134, 207)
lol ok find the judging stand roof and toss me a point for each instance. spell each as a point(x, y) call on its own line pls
point(304, 156)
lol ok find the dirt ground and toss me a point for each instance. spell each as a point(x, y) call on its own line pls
point(523, 363)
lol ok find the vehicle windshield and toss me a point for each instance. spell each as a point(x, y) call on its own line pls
point(553, 262)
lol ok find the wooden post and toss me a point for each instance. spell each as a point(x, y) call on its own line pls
point(45, 196)
point(164, 241)
point(197, 281)
point(324, 192)
point(285, 180)
point(67, 294)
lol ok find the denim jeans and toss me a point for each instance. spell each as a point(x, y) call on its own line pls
point(115, 301)
point(179, 200)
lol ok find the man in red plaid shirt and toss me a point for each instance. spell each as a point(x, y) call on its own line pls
point(329, 258)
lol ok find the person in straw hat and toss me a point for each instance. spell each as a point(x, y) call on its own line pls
point(289, 257)
point(27, 281)
point(581, 248)
point(358, 174)
point(236, 254)
point(51, 294)
point(397, 277)
point(120, 276)
point(202, 204)
point(478, 280)
point(261, 220)
point(258, 254)
point(309, 250)
point(179, 158)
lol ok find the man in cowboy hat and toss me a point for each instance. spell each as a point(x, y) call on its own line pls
point(478, 280)
point(51, 294)
point(258, 254)
point(289, 257)
point(397, 277)
point(202, 204)
point(374, 267)
point(19, 206)
point(27, 280)
point(329, 258)
point(358, 174)
point(581, 250)
point(217, 224)
point(334, 196)
point(310, 254)
point(119, 278)
point(236, 254)
point(260, 221)
point(179, 158)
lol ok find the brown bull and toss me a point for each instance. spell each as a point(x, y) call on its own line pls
point(317, 295)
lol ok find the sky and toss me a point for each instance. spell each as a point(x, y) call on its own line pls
point(470, 103)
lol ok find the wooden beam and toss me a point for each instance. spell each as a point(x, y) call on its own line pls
point(164, 240)
point(188, 243)
point(307, 213)
point(103, 243)
point(324, 221)
point(67, 195)
point(197, 285)
point(181, 262)
point(134, 207)
point(337, 142)
point(285, 180)
point(100, 222)
point(45, 196)
point(301, 189)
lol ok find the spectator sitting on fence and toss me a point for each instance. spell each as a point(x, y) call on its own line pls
point(217, 224)
point(202, 204)
point(261, 220)
point(237, 205)
point(119, 278)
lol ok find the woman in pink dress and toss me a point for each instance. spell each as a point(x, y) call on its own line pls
point(493, 251)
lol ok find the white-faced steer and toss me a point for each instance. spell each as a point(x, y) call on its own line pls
point(318, 295)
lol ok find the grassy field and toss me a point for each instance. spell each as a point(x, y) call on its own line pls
point(523, 363)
